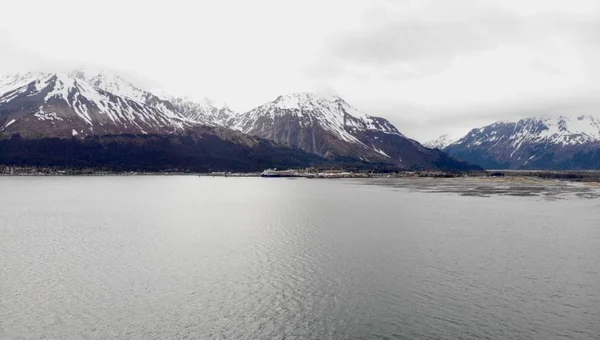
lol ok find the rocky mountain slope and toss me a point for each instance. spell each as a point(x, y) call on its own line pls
point(330, 127)
point(533, 143)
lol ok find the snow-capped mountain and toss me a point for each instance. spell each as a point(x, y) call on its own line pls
point(81, 104)
point(565, 142)
point(74, 104)
point(112, 83)
point(205, 111)
point(440, 143)
point(328, 126)
point(335, 114)
point(101, 120)
point(14, 81)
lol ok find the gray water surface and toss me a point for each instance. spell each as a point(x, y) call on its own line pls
point(252, 258)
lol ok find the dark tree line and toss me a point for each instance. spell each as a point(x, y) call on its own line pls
point(151, 153)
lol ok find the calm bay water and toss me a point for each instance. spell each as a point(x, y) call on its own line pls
point(251, 258)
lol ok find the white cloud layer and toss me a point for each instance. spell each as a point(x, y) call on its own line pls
point(430, 66)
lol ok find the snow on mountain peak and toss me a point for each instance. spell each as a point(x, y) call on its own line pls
point(91, 92)
point(11, 82)
point(112, 83)
point(561, 130)
point(92, 102)
point(534, 142)
point(329, 112)
point(99, 86)
point(301, 100)
point(546, 130)
point(440, 143)
point(325, 105)
point(204, 111)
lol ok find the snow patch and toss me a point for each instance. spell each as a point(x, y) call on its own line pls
point(9, 123)
point(379, 151)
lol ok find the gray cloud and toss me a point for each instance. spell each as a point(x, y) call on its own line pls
point(427, 39)
point(414, 40)
point(401, 44)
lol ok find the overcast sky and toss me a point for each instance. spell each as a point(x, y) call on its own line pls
point(429, 66)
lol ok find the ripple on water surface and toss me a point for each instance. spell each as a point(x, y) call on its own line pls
point(251, 258)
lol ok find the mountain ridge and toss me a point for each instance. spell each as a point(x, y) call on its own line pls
point(546, 142)
point(80, 105)
point(329, 126)
point(68, 105)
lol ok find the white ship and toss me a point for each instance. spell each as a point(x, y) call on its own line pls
point(279, 173)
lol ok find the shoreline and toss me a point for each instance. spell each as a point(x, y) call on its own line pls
point(584, 176)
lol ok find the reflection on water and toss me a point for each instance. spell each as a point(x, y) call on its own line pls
point(251, 258)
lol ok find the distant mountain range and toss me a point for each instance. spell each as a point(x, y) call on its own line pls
point(83, 107)
point(532, 143)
